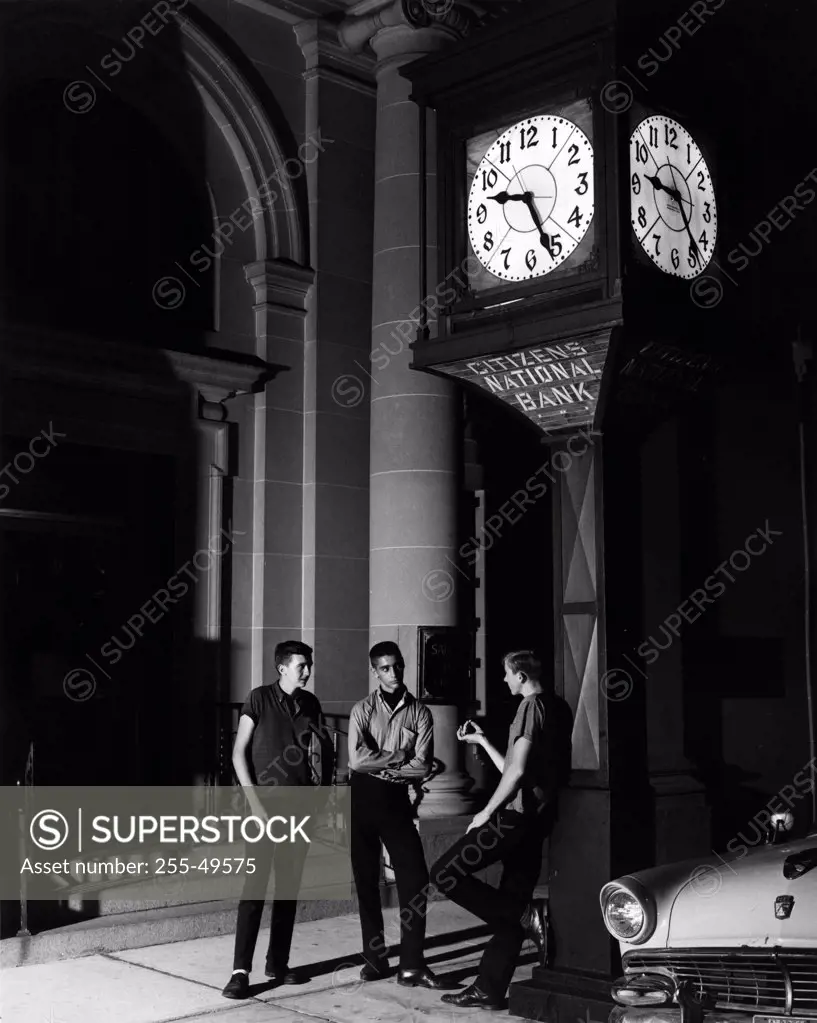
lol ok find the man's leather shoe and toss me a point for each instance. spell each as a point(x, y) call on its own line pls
point(533, 924)
point(423, 978)
point(374, 972)
point(238, 986)
point(285, 976)
point(473, 998)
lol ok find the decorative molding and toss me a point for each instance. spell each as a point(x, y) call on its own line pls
point(327, 57)
point(280, 286)
point(29, 353)
point(356, 32)
point(238, 113)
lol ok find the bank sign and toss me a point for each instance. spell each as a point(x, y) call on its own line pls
point(554, 385)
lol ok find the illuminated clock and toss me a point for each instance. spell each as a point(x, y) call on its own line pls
point(531, 198)
point(672, 198)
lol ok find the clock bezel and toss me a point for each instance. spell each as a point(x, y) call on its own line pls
point(564, 286)
point(638, 113)
point(578, 256)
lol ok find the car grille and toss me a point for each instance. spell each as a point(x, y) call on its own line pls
point(777, 982)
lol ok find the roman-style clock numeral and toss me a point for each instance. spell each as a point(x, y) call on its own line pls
point(653, 135)
point(505, 152)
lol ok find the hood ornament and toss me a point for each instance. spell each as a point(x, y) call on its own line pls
point(783, 905)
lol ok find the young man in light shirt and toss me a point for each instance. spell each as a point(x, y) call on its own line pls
point(391, 746)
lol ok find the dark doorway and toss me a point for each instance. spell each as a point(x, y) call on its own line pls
point(82, 682)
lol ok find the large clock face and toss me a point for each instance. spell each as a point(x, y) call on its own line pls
point(531, 198)
point(672, 200)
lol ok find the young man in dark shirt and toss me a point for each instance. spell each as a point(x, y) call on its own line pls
point(281, 740)
point(511, 829)
point(390, 746)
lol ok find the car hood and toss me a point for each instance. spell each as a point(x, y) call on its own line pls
point(733, 902)
point(724, 902)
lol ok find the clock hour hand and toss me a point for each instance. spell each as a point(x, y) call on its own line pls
point(673, 193)
point(503, 197)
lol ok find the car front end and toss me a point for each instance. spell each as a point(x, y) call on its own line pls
point(723, 941)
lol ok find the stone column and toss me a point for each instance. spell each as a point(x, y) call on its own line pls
point(340, 111)
point(414, 426)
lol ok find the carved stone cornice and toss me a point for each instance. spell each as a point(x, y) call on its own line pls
point(281, 285)
point(326, 56)
point(75, 360)
point(434, 20)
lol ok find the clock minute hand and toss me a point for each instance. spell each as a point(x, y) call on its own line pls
point(543, 237)
point(693, 247)
point(673, 193)
point(676, 195)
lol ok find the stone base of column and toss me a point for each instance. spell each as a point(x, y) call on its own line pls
point(447, 794)
point(561, 997)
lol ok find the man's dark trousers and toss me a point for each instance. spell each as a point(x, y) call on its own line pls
point(516, 842)
point(286, 861)
point(381, 811)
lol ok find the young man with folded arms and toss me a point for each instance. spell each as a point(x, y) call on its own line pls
point(390, 747)
point(511, 829)
point(281, 740)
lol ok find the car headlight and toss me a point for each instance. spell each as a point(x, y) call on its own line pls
point(628, 911)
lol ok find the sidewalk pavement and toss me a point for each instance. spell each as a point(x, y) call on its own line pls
point(183, 980)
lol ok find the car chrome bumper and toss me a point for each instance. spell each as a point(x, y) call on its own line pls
point(672, 1014)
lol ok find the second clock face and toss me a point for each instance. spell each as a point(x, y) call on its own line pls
point(672, 199)
point(531, 198)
